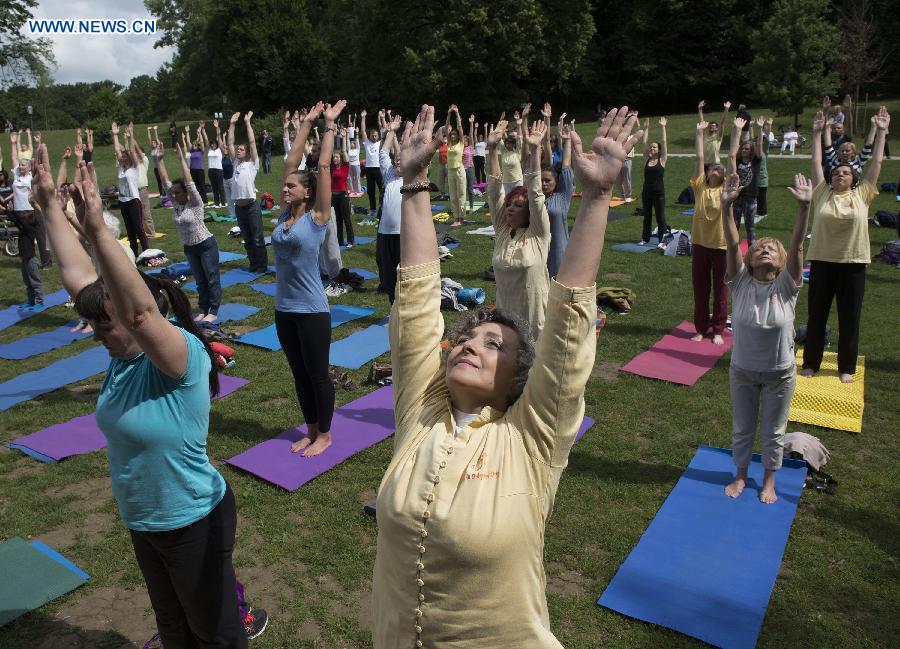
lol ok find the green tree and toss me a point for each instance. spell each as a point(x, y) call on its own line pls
point(140, 95)
point(22, 59)
point(103, 108)
point(794, 52)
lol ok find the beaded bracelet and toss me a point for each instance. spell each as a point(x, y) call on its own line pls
point(413, 188)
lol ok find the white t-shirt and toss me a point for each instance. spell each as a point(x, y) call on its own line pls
point(142, 168)
point(243, 183)
point(462, 419)
point(214, 158)
point(763, 321)
point(286, 143)
point(391, 199)
point(481, 149)
point(128, 184)
point(351, 132)
point(353, 156)
point(21, 189)
point(372, 149)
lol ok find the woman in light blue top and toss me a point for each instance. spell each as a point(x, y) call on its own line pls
point(302, 318)
point(153, 409)
point(558, 188)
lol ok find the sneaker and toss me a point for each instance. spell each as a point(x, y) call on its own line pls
point(47, 264)
point(255, 622)
point(642, 243)
point(629, 200)
point(661, 246)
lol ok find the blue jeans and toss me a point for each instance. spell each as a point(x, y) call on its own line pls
point(204, 260)
point(745, 206)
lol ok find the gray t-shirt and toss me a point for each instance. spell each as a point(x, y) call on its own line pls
point(762, 318)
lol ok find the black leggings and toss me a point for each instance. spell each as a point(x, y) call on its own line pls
point(159, 182)
point(340, 201)
point(657, 201)
point(133, 216)
point(847, 283)
point(218, 186)
point(762, 203)
point(388, 249)
point(306, 339)
point(191, 581)
point(480, 176)
point(199, 179)
point(373, 180)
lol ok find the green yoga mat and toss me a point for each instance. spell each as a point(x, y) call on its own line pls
point(31, 578)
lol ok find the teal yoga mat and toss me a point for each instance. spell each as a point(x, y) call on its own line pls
point(33, 574)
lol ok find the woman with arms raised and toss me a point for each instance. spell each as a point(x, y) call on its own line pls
point(484, 434)
point(153, 409)
point(522, 234)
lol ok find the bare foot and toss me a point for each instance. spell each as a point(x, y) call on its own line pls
point(209, 317)
point(199, 317)
point(79, 326)
point(87, 328)
point(736, 488)
point(322, 442)
point(697, 338)
point(718, 340)
point(808, 372)
point(846, 378)
point(301, 444)
point(767, 495)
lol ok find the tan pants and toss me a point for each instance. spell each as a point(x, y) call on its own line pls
point(763, 397)
point(457, 178)
point(149, 226)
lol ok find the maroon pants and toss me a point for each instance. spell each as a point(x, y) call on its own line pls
point(708, 272)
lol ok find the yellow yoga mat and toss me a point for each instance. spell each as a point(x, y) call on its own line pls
point(824, 401)
point(156, 235)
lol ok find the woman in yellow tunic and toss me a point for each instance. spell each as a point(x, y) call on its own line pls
point(521, 234)
point(484, 434)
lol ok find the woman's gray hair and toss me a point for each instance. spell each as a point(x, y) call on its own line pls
point(524, 354)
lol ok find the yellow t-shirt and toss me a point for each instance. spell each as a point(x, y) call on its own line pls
point(26, 154)
point(706, 229)
point(840, 231)
point(711, 146)
point(454, 155)
point(510, 164)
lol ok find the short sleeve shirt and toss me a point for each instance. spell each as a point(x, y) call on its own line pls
point(243, 182)
point(372, 150)
point(21, 189)
point(840, 229)
point(454, 155)
point(706, 229)
point(214, 158)
point(298, 282)
point(128, 184)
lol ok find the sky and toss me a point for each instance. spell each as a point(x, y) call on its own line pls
point(96, 57)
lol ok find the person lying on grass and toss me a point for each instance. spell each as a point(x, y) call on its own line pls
point(483, 434)
point(765, 283)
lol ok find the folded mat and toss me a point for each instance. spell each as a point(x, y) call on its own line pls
point(235, 311)
point(360, 347)
point(707, 563)
point(359, 241)
point(56, 375)
point(824, 401)
point(13, 314)
point(230, 278)
point(82, 434)
point(42, 342)
point(267, 337)
point(33, 574)
point(678, 359)
point(354, 427)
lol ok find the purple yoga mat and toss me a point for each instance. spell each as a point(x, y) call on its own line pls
point(678, 359)
point(355, 426)
point(82, 434)
point(586, 423)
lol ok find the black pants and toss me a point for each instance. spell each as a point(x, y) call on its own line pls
point(480, 176)
point(828, 280)
point(191, 580)
point(340, 201)
point(306, 339)
point(158, 182)
point(218, 186)
point(199, 179)
point(762, 203)
point(388, 246)
point(249, 220)
point(657, 201)
point(133, 217)
point(373, 180)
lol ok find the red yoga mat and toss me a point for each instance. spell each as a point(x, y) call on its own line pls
point(678, 359)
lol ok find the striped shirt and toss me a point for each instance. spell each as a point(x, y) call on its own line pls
point(832, 160)
point(467, 154)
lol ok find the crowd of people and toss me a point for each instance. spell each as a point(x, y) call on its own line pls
point(507, 394)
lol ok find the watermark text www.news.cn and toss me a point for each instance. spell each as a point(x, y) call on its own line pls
point(91, 26)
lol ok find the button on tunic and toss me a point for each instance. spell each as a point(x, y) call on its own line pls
point(461, 517)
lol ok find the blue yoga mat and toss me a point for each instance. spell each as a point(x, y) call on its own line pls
point(265, 289)
point(689, 212)
point(707, 563)
point(226, 256)
point(631, 247)
point(56, 375)
point(230, 278)
point(235, 311)
point(365, 274)
point(359, 348)
point(13, 314)
point(360, 241)
point(60, 559)
point(40, 343)
point(267, 337)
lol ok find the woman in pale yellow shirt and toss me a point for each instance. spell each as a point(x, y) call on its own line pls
point(839, 249)
point(456, 174)
point(483, 434)
point(521, 234)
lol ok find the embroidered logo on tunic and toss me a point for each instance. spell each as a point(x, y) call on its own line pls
point(477, 474)
point(479, 462)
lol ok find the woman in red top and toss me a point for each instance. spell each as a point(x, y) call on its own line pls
point(340, 200)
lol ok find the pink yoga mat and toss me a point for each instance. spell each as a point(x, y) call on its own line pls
point(82, 434)
point(678, 359)
point(355, 426)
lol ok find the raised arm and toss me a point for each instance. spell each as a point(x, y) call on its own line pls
point(734, 261)
point(130, 148)
point(204, 139)
point(663, 143)
point(117, 146)
point(14, 149)
point(646, 139)
point(724, 121)
point(547, 145)
point(802, 192)
point(472, 128)
point(63, 172)
point(418, 242)
point(760, 138)
point(734, 144)
point(698, 148)
point(362, 127)
point(251, 138)
point(700, 107)
point(459, 124)
point(161, 167)
point(30, 143)
point(322, 208)
point(494, 186)
point(234, 118)
point(818, 175)
point(882, 121)
point(565, 134)
point(182, 156)
point(299, 147)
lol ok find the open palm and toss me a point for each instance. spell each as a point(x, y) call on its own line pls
point(598, 168)
point(419, 144)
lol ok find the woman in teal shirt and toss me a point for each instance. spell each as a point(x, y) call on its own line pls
point(153, 409)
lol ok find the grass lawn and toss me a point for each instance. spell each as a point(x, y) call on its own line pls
point(307, 556)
